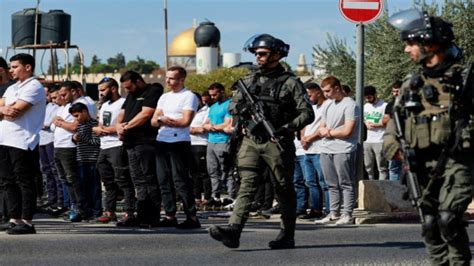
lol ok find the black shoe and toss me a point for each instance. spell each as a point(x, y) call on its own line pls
point(264, 214)
point(56, 211)
point(6, 226)
point(22, 229)
point(283, 241)
point(228, 235)
point(214, 203)
point(313, 214)
point(269, 212)
point(189, 224)
point(168, 222)
point(128, 220)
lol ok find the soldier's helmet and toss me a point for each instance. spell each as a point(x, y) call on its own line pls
point(415, 25)
point(266, 41)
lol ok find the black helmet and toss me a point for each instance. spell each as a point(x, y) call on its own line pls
point(418, 26)
point(267, 41)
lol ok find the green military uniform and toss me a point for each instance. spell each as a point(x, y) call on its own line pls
point(286, 108)
point(445, 196)
point(435, 110)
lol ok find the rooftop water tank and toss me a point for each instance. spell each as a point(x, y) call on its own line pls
point(55, 27)
point(207, 35)
point(23, 27)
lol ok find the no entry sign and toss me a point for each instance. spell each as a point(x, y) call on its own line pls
point(360, 11)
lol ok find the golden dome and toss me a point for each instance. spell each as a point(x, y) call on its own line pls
point(183, 44)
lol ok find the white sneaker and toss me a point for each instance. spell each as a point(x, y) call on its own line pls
point(229, 207)
point(345, 220)
point(330, 218)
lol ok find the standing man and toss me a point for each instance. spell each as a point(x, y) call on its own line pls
point(374, 109)
point(438, 110)
point(64, 127)
point(217, 145)
point(138, 136)
point(46, 151)
point(282, 96)
point(174, 113)
point(394, 166)
point(313, 173)
point(111, 163)
point(338, 129)
point(5, 82)
point(23, 109)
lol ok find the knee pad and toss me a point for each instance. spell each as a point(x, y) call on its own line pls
point(429, 229)
point(449, 225)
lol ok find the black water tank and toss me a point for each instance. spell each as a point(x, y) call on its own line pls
point(23, 27)
point(55, 27)
point(207, 35)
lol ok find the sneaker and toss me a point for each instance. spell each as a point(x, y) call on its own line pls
point(107, 217)
point(56, 211)
point(345, 220)
point(214, 202)
point(74, 217)
point(228, 235)
point(22, 229)
point(330, 218)
point(128, 220)
point(166, 222)
point(6, 226)
point(189, 224)
point(313, 214)
point(264, 214)
point(230, 206)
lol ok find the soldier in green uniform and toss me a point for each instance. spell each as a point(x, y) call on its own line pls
point(435, 109)
point(282, 98)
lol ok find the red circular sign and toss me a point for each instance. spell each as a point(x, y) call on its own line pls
point(361, 11)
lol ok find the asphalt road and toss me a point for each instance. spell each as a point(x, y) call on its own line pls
point(61, 243)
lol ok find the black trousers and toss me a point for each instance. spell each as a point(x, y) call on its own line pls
point(17, 170)
point(172, 167)
point(112, 165)
point(143, 173)
point(68, 171)
point(201, 180)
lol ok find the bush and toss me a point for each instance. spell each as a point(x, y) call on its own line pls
point(226, 76)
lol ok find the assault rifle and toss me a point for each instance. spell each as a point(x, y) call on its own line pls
point(409, 164)
point(255, 107)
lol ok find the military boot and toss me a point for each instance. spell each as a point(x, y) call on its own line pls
point(284, 240)
point(228, 235)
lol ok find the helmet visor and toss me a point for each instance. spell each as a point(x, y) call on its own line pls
point(249, 44)
point(407, 20)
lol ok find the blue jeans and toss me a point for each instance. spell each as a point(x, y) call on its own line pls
point(395, 170)
point(314, 180)
point(298, 181)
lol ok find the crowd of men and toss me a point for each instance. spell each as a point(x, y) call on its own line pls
point(298, 144)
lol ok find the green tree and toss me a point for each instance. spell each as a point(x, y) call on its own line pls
point(225, 76)
point(118, 62)
point(141, 66)
point(95, 60)
point(336, 59)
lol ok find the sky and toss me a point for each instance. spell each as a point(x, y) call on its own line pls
point(136, 27)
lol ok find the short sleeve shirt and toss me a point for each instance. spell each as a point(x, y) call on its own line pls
point(108, 117)
point(172, 105)
point(334, 116)
point(218, 112)
point(23, 132)
point(144, 134)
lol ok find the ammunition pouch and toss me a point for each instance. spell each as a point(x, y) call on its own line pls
point(440, 129)
point(422, 131)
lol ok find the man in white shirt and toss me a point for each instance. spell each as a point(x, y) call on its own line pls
point(23, 109)
point(64, 126)
point(112, 163)
point(46, 150)
point(174, 113)
point(374, 110)
point(313, 173)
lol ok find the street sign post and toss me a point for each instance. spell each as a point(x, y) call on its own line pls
point(360, 12)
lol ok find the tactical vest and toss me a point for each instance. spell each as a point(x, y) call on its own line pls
point(433, 122)
point(279, 105)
